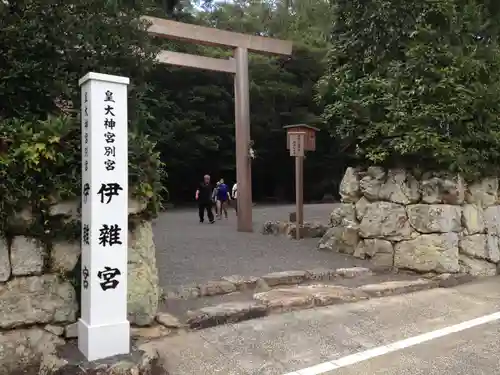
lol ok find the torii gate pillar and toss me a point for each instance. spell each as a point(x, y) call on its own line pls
point(242, 129)
point(241, 44)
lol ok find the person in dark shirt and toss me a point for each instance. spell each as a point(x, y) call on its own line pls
point(223, 197)
point(204, 198)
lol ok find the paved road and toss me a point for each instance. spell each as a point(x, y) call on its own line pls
point(188, 251)
point(301, 343)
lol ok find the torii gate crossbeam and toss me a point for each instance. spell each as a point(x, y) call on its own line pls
point(241, 44)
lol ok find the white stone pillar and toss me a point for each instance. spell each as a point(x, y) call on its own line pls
point(103, 329)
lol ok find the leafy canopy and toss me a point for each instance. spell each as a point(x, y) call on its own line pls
point(46, 46)
point(416, 83)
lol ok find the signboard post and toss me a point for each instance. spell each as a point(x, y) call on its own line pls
point(103, 329)
point(297, 150)
point(299, 139)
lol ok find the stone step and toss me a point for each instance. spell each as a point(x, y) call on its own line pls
point(234, 283)
point(295, 291)
point(298, 298)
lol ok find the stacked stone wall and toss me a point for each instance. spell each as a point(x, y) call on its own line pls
point(40, 277)
point(433, 222)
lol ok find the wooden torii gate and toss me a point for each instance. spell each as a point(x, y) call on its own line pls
point(241, 44)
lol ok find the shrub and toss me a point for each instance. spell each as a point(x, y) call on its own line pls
point(40, 165)
point(416, 84)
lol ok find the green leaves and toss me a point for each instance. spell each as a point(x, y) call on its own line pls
point(416, 82)
point(46, 46)
point(42, 166)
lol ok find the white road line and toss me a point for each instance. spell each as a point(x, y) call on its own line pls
point(395, 346)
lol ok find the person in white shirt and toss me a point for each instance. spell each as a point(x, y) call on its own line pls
point(234, 195)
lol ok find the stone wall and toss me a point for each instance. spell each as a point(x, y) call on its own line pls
point(38, 281)
point(434, 222)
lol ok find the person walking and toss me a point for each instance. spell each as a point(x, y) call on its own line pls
point(215, 199)
point(204, 198)
point(223, 198)
point(234, 195)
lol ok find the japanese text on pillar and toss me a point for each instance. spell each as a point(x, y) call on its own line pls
point(109, 234)
point(85, 176)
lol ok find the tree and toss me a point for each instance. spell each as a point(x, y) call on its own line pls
point(46, 46)
point(416, 84)
point(196, 124)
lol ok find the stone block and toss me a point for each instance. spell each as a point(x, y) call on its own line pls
point(142, 360)
point(36, 300)
point(473, 219)
point(321, 274)
point(143, 284)
point(493, 248)
point(230, 312)
point(400, 187)
point(349, 186)
point(438, 218)
point(307, 296)
point(136, 206)
point(284, 278)
point(340, 239)
point(360, 208)
point(56, 330)
point(242, 282)
point(69, 209)
point(325, 295)
point(149, 333)
point(261, 286)
point(4, 260)
point(168, 320)
point(450, 280)
point(307, 230)
point(371, 183)
point(379, 251)
point(385, 220)
point(213, 288)
point(64, 256)
point(27, 256)
point(483, 193)
point(442, 188)
point(276, 227)
point(342, 212)
point(183, 292)
point(428, 252)
point(492, 220)
point(477, 267)
point(481, 246)
point(22, 350)
point(350, 273)
point(286, 299)
point(392, 288)
point(71, 331)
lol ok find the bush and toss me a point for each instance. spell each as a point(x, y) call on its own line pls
point(40, 165)
point(46, 46)
point(416, 84)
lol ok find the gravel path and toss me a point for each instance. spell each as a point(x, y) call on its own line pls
point(188, 251)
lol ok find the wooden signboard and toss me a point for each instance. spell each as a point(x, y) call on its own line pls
point(296, 140)
point(309, 138)
point(300, 138)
